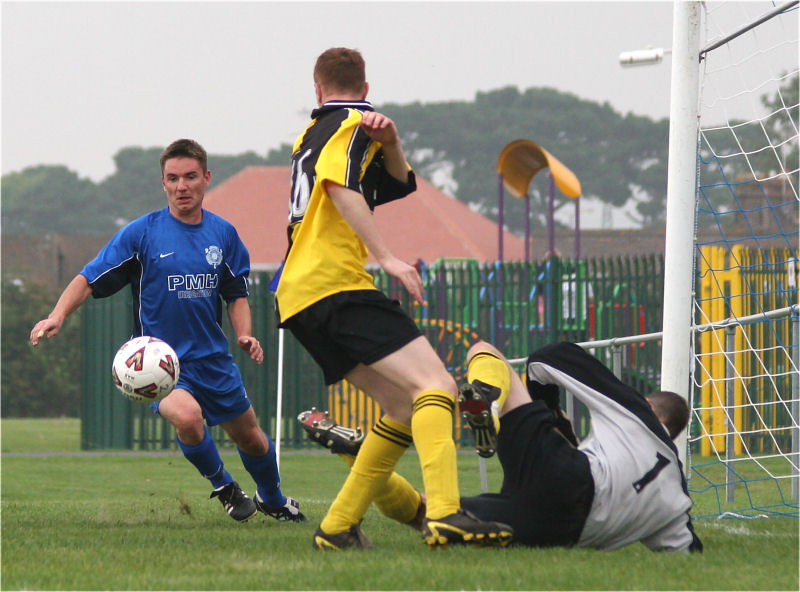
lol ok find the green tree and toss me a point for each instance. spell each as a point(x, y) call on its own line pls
point(40, 382)
point(224, 167)
point(279, 156)
point(783, 123)
point(135, 187)
point(51, 199)
point(615, 157)
point(742, 153)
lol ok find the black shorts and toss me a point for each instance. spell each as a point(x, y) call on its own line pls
point(547, 487)
point(348, 328)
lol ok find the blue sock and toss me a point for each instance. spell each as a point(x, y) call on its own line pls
point(264, 470)
point(206, 459)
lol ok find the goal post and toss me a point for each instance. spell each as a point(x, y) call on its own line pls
point(730, 339)
point(680, 218)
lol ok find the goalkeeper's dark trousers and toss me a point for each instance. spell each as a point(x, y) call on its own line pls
point(547, 487)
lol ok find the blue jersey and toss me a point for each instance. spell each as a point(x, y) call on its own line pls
point(179, 274)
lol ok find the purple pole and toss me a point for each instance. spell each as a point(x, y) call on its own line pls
point(500, 217)
point(527, 228)
point(577, 228)
point(550, 221)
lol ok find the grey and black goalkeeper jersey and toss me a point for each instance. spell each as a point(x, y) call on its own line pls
point(640, 491)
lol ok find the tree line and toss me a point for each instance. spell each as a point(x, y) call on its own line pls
point(454, 144)
point(615, 156)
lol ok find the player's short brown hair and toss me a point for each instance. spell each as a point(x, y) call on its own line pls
point(671, 410)
point(184, 148)
point(340, 69)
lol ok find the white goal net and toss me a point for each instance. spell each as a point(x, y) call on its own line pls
point(744, 433)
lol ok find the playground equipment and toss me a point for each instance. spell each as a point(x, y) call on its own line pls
point(517, 165)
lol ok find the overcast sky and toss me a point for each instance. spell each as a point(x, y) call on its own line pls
point(82, 80)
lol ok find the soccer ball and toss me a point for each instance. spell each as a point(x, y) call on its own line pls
point(145, 369)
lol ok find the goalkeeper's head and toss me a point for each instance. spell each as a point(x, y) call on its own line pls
point(671, 410)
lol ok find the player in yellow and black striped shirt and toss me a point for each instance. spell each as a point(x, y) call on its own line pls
point(348, 160)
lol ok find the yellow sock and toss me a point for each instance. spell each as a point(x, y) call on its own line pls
point(493, 371)
point(383, 446)
point(432, 426)
point(398, 499)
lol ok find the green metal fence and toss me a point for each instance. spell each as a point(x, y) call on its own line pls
point(515, 305)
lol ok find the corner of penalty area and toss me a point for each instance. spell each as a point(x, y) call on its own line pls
point(517, 165)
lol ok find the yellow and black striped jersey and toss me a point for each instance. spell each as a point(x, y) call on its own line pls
point(325, 254)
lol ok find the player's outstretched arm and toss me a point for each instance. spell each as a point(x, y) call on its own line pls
point(70, 300)
point(354, 209)
point(587, 378)
point(242, 323)
point(566, 359)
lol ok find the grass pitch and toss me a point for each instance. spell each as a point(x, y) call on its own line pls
point(144, 522)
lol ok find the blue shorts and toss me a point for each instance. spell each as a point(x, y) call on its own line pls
point(217, 385)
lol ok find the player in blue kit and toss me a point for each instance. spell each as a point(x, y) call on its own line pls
point(181, 262)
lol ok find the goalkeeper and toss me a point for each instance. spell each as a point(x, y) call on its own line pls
point(624, 483)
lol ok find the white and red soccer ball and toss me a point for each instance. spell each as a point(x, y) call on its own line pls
point(145, 369)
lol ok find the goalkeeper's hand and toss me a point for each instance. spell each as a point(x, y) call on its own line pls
point(543, 392)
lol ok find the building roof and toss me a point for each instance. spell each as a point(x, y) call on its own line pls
point(427, 225)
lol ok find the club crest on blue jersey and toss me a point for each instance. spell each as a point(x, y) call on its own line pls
point(214, 255)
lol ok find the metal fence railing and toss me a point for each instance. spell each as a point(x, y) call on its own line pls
point(515, 305)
